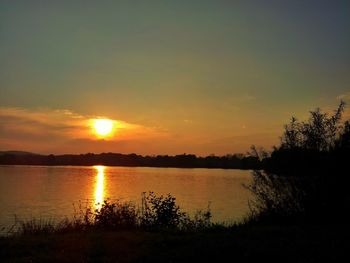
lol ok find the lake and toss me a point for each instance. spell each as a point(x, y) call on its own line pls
point(51, 192)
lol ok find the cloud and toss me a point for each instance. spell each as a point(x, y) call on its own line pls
point(64, 131)
point(47, 130)
point(344, 96)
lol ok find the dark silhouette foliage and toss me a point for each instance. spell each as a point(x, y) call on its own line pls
point(156, 214)
point(306, 178)
point(320, 133)
point(230, 161)
point(116, 215)
point(160, 211)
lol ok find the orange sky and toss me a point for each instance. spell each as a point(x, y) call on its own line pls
point(63, 131)
point(175, 76)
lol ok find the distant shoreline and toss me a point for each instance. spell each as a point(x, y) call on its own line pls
point(70, 165)
point(234, 161)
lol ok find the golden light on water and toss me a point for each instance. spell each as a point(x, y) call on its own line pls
point(103, 127)
point(99, 186)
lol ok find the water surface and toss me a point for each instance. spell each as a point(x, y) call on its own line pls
point(51, 191)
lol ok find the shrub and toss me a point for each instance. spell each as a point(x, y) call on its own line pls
point(305, 178)
point(116, 215)
point(160, 211)
point(320, 133)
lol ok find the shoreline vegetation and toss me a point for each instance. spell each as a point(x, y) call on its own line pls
point(161, 232)
point(156, 213)
point(229, 161)
point(299, 213)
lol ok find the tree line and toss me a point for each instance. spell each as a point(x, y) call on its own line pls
point(231, 161)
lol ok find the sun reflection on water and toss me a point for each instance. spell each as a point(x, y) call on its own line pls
point(99, 186)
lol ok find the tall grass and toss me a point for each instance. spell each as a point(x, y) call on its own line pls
point(276, 199)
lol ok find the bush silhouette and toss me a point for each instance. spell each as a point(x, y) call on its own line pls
point(305, 178)
point(160, 211)
point(320, 133)
point(116, 215)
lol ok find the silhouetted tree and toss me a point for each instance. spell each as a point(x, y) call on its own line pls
point(306, 177)
point(320, 133)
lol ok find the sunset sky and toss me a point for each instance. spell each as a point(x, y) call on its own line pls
point(175, 77)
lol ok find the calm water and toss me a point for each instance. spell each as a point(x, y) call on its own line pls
point(50, 192)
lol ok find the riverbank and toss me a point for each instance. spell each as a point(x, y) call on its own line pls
point(244, 243)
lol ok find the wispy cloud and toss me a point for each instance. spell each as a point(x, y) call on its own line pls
point(344, 96)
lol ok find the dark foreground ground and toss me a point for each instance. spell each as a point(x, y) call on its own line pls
point(237, 244)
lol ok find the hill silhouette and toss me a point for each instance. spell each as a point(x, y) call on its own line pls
point(17, 153)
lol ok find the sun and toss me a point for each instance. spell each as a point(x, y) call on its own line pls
point(103, 127)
